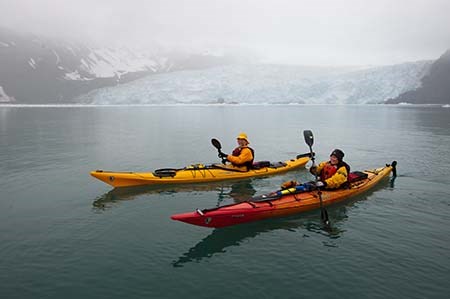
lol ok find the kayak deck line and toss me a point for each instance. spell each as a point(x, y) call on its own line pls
point(101, 171)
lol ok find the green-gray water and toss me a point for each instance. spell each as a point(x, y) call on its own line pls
point(64, 234)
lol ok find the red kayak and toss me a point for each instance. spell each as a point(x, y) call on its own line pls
point(279, 205)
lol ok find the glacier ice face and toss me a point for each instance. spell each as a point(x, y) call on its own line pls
point(266, 84)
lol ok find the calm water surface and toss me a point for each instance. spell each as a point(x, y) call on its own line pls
point(64, 234)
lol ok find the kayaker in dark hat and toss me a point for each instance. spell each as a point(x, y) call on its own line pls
point(331, 174)
point(242, 155)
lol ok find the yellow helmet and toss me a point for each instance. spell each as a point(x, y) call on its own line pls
point(242, 135)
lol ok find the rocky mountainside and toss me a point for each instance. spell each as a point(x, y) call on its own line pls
point(434, 88)
point(36, 70)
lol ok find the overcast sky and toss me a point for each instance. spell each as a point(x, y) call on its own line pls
point(313, 32)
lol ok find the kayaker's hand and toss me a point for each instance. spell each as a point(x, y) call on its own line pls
point(288, 184)
point(320, 184)
point(313, 170)
point(222, 155)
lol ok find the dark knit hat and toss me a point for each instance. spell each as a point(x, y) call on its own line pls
point(338, 154)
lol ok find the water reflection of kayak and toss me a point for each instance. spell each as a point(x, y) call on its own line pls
point(198, 173)
point(219, 240)
point(236, 191)
point(275, 205)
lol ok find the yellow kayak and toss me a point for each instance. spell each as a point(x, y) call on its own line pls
point(198, 173)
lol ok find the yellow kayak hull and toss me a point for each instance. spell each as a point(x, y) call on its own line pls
point(195, 174)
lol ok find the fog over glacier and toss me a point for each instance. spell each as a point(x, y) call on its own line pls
point(325, 32)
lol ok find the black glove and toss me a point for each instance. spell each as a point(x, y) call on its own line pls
point(313, 170)
point(222, 155)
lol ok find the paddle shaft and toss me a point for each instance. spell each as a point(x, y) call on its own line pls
point(323, 212)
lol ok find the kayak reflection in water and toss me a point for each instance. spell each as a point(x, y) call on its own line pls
point(304, 226)
point(332, 174)
point(242, 155)
point(237, 192)
point(242, 191)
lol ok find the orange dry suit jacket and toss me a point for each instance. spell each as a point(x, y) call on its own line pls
point(242, 156)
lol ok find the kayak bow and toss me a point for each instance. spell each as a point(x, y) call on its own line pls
point(272, 206)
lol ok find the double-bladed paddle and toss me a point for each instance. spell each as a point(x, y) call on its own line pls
point(309, 139)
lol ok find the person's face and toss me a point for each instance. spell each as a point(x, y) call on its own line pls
point(241, 142)
point(334, 160)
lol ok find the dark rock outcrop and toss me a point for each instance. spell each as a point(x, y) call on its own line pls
point(435, 87)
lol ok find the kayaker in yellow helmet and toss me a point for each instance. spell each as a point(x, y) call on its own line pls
point(242, 155)
point(332, 174)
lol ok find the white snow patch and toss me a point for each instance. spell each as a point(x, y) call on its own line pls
point(32, 63)
point(73, 76)
point(4, 98)
point(58, 60)
point(84, 64)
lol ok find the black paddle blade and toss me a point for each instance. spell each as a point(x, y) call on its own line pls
point(394, 168)
point(324, 216)
point(216, 143)
point(309, 138)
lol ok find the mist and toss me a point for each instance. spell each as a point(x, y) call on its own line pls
point(324, 32)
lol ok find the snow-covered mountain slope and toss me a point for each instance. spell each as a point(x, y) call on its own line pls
point(266, 84)
point(109, 62)
point(4, 98)
point(41, 70)
point(35, 69)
